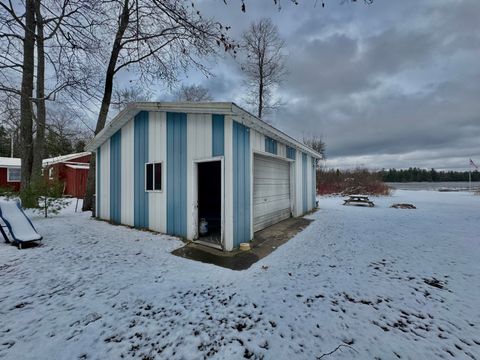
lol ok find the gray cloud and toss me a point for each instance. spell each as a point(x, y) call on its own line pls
point(391, 84)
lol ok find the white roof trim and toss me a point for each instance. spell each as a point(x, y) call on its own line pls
point(78, 166)
point(64, 158)
point(225, 108)
point(10, 162)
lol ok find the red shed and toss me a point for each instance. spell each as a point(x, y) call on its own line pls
point(10, 172)
point(72, 169)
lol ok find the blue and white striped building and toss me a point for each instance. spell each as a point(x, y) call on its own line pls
point(167, 166)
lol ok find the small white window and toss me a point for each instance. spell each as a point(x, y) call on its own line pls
point(50, 173)
point(153, 177)
point(14, 174)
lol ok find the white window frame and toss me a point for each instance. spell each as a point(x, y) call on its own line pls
point(161, 180)
point(50, 172)
point(8, 175)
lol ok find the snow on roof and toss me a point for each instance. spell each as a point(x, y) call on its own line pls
point(64, 158)
point(10, 162)
point(78, 166)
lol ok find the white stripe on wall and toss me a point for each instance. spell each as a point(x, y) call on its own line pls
point(127, 172)
point(105, 181)
point(257, 141)
point(228, 183)
point(281, 150)
point(199, 146)
point(157, 152)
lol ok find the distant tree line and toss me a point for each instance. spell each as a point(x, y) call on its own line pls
point(425, 175)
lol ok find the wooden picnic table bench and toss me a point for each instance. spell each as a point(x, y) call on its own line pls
point(361, 200)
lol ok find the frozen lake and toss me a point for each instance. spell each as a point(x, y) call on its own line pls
point(451, 185)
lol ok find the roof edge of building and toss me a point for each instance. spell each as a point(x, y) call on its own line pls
point(226, 108)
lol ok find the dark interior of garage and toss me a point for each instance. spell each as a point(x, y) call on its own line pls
point(210, 200)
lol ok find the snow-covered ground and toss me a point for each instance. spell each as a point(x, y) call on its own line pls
point(389, 283)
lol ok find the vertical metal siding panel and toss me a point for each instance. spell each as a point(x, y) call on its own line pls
point(309, 183)
point(281, 150)
point(304, 183)
point(98, 182)
point(157, 202)
point(257, 140)
point(298, 183)
point(105, 190)
point(270, 145)
point(218, 135)
point(127, 171)
point(115, 177)
point(241, 184)
point(199, 146)
point(229, 193)
point(177, 174)
point(140, 158)
point(314, 183)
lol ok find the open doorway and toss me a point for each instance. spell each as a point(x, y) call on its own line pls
point(210, 202)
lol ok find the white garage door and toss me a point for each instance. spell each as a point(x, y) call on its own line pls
point(271, 191)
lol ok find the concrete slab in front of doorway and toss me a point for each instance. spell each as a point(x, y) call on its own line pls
point(265, 241)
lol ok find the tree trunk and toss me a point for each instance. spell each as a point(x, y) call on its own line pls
point(39, 143)
point(260, 99)
point(26, 115)
point(107, 98)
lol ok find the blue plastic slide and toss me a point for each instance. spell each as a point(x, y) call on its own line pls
point(19, 225)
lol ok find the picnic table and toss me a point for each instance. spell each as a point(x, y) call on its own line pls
point(360, 200)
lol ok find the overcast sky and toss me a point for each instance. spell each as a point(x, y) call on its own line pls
point(392, 84)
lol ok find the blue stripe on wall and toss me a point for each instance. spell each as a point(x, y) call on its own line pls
point(241, 184)
point(304, 183)
point(218, 135)
point(140, 156)
point(291, 153)
point(115, 177)
point(270, 145)
point(98, 181)
point(314, 182)
point(177, 174)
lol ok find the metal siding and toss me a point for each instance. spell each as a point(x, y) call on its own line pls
point(314, 183)
point(127, 186)
point(140, 159)
point(157, 149)
point(115, 177)
point(291, 153)
point(271, 191)
point(105, 181)
point(257, 140)
point(177, 174)
point(98, 195)
point(218, 135)
point(270, 145)
point(228, 240)
point(241, 184)
point(304, 183)
point(281, 150)
point(199, 146)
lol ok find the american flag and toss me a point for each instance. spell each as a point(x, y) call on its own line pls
point(473, 164)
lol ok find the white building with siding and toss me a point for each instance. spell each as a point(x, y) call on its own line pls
point(169, 166)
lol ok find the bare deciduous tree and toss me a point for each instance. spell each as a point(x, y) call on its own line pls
point(192, 93)
point(157, 39)
point(317, 144)
point(123, 96)
point(23, 29)
point(264, 66)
